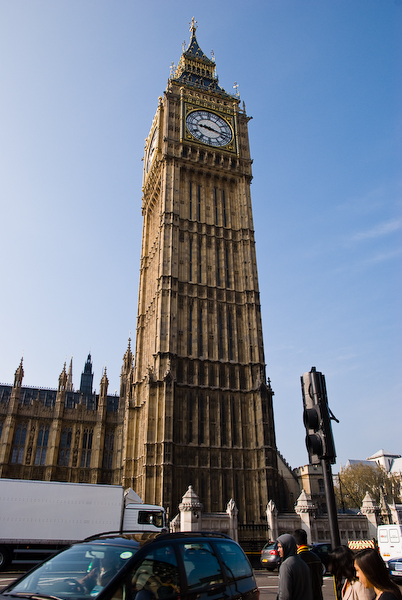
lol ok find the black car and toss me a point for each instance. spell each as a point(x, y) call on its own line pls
point(143, 566)
point(270, 558)
point(322, 551)
point(395, 569)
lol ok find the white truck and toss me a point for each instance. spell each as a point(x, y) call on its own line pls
point(390, 541)
point(39, 517)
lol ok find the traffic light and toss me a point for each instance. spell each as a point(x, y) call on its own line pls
point(317, 418)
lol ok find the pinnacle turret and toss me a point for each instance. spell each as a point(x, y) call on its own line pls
point(69, 386)
point(104, 383)
point(127, 359)
point(63, 379)
point(195, 69)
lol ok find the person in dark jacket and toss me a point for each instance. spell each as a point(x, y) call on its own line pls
point(312, 561)
point(294, 574)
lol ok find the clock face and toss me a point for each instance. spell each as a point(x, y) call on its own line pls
point(209, 128)
point(151, 150)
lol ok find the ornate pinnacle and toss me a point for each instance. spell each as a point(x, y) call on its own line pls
point(193, 26)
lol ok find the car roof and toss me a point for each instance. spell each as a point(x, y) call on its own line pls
point(138, 539)
point(151, 535)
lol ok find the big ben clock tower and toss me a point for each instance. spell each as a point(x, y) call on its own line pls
point(198, 404)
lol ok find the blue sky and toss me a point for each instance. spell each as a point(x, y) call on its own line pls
point(80, 83)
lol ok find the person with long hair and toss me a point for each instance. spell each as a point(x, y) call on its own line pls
point(373, 574)
point(347, 586)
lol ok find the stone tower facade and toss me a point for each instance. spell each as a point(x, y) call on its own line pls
point(198, 406)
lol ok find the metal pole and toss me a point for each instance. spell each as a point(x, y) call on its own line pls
point(331, 503)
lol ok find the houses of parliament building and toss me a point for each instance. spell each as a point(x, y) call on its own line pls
point(195, 404)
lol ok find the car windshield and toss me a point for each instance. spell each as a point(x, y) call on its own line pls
point(81, 571)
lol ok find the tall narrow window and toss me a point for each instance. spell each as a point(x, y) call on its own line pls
point(200, 340)
point(212, 421)
point(19, 444)
point(180, 371)
point(65, 447)
point(243, 379)
point(233, 417)
point(201, 374)
point(227, 267)
point(191, 260)
point(216, 206)
point(230, 332)
point(222, 376)
point(223, 422)
point(41, 445)
point(220, 334)
point(190, 418)
point(224, 207)
point(190, 206)
point(190, 330)
point(107, 462)
point(201, 419)
point(199, 203)
point(190, 372)
point(86, 448)
point(232, 377)
point(200, 261)
point(218, 269)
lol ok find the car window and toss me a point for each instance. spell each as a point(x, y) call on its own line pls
point(200, 564)
point(270, 546)
point(235, 562)
point(393, 535)
point(79, 571)
point(383, 535)
point(157, 573)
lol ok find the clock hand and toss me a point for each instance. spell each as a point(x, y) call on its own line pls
point(210, 128)
point(224, 134)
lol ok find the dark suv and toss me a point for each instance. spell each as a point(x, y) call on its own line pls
point(146, 566)
point(323, 551)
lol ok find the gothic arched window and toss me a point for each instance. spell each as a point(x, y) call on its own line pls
point(108, 450)
point(41, 445)
point(86, 448)
point(65, 447)
point(19, 444)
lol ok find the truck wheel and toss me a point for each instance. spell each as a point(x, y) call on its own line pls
point(4, 558)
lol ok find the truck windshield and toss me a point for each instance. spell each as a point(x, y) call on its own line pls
point(81, 571)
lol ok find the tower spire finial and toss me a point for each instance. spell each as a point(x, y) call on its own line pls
point(193, 26)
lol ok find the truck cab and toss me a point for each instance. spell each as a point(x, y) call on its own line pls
point(143, 517)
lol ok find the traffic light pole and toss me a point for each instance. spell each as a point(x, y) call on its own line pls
point(320, 444)
point(331, 503)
